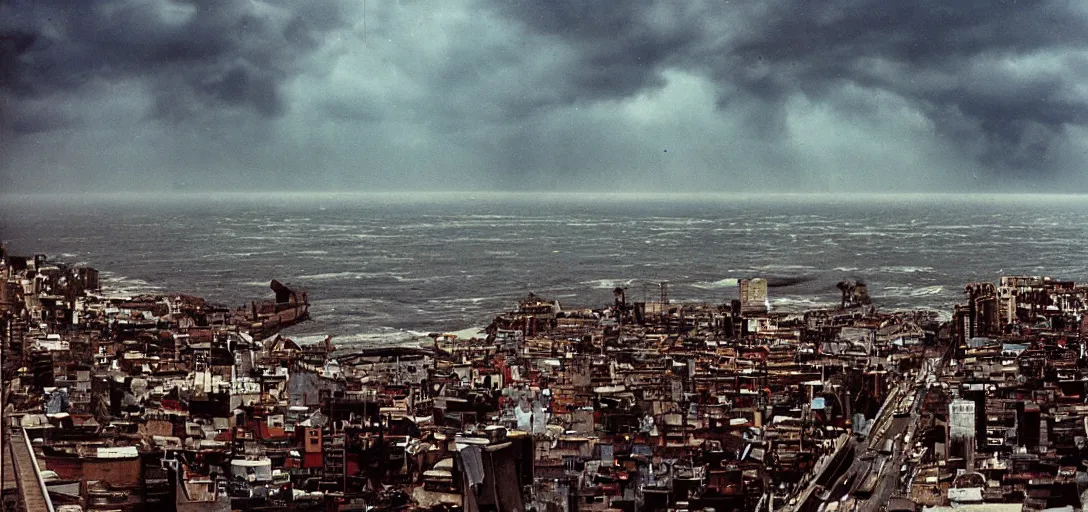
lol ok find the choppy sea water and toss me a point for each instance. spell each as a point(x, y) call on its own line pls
point(380, 267)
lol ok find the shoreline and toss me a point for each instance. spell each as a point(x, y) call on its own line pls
point(814, 404)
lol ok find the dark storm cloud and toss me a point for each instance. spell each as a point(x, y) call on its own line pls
point(951, 59)
point(563, 93)
point(193, 54)
point(622, 48)
point(955, 61)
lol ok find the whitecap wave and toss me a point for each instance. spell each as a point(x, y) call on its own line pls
point(780, 267)
point(115, 284)
point(332, 276)
point(329, 276)
point(463, 300)
point(347, 302)
point(926, 291)
point(904, 269)
point(608, 284)
point(796, 303)
point(728, 282)
point(912, 291)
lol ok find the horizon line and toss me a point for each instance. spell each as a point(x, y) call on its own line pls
point(528, 193)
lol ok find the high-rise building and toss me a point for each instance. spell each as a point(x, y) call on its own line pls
point(962, 430)
point(753, 295)
point(1028, 418)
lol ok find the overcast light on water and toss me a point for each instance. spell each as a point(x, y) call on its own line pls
point(379, 267)
point(250, 99)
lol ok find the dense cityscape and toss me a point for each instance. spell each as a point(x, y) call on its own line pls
point(543, 256)
point(171, 402)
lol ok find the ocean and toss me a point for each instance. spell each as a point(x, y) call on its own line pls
point(383, 268)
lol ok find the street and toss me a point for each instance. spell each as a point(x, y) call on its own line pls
point(869, 459)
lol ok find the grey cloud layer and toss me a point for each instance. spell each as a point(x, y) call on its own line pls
point(507, 94)
point(193, 55)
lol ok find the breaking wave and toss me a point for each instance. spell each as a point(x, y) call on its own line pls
point(728, 282)
point(115, 284)
point(608, 284)
point(913, 291)
point(904, 269)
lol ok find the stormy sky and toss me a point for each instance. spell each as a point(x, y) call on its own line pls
point(543, 95)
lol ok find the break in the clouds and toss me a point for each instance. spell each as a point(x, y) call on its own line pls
point(413, 94)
